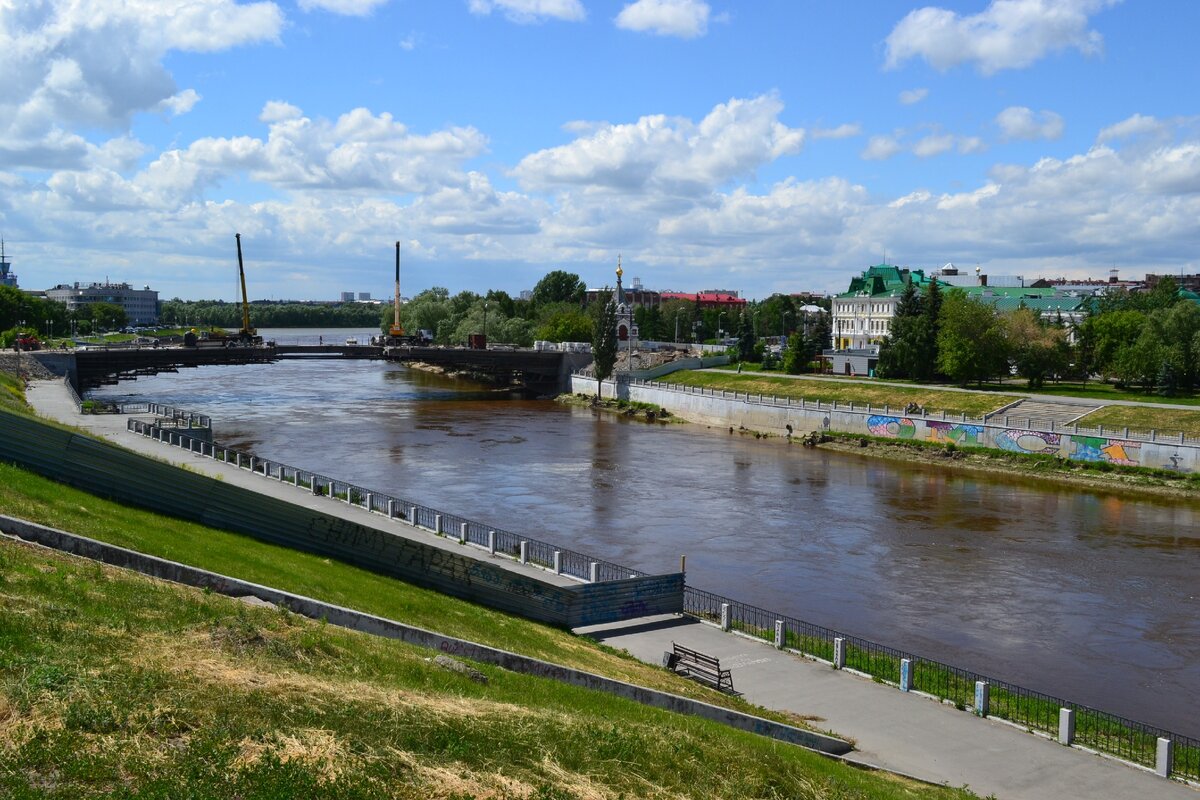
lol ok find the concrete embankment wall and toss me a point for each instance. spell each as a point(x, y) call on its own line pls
point(110, 471)
point(380, 626)
point(782, 416)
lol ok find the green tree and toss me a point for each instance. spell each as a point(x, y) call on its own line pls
point(559, 287)
point(971, 340)
point(1107, 334)
point(1140, 363)
point(900, 351)
point(1038, 349)
point(108, 316)
point(565, 325)
point(604, 343)
point(745, 337)
point(1180, 326)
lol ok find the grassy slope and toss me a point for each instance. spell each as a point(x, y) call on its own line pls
point(115, 685)
point(933, 399)
point(1169, 421)
point(12, 394)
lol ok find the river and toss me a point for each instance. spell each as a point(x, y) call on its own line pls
point(1083, 595)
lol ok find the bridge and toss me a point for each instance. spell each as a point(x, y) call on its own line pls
point(93, 367)
point(537, 370)
point(328, 351)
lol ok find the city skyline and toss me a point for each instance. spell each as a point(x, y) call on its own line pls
point(763, 148)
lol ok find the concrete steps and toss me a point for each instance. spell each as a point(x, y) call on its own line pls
point(1039, 414)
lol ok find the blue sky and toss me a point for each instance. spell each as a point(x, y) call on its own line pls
point(761, 146)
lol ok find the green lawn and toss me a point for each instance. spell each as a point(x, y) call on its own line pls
point(1168, 421)
point(118, 686)
point(934, 400)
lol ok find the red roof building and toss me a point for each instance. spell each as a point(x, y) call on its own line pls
point(707, 299)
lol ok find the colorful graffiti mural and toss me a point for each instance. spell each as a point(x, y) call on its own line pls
point(1022, 441)
point(892, 427)
point(954, 433)
point(1114, 451)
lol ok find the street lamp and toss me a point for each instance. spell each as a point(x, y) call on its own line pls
point(485, 305)
point(783, 324)
point(677, 313)
point(720, 329)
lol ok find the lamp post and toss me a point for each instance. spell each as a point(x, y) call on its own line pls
point(783, 324)
point(720, 329)
point(677, 313)
point(485, 305)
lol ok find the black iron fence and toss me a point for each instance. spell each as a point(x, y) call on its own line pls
point(1095, 729)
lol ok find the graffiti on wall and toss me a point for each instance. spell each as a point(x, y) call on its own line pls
point(1022, 441)
point(892, 427)
point(953, 432)
point(1114, 451)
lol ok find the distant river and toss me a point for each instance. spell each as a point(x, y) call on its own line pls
point(1091, 597)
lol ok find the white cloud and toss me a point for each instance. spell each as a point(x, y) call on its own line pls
point(668, 154)
point(95, 63)
point(1134, 126)
point(528, 11)
point(1008, 34)
point(352, 8)
point(1019, 122)
point(881, 148)
point(913, 96)
point(968, 145)
point(843, 131)
point(180, 103)
point(933, 145)
point(686, 19)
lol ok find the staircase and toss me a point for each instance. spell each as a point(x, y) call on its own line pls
point(1041, 414)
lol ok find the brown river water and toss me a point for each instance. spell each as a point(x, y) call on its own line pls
point(1082, 595)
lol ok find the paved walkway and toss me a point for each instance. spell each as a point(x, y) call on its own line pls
point(906, 733)
point(902, 732)
point(1012, 391)
point(52, 400)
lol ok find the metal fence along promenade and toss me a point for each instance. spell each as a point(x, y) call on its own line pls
point(992, 420)
point(1081, 725)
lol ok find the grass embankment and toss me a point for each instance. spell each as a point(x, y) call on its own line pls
point(115, 685)
point(1167, 421)
point(12, 394)
point(932, 399)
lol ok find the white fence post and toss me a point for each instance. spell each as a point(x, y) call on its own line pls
point(524, 557)
point(779, 636)
point(983, 698)
point(593, 569)
point(839, 653)
point(906, 675)
point(1066, 726)
point(725, 616)
point(1163, 756)
point(462, 533)
point(492, 542)
point(558, 562)
point(437, 524)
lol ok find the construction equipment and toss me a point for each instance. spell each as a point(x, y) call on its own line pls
point(247, 335)
point(397, 330)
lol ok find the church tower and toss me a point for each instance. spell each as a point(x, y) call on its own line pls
point(626, 330)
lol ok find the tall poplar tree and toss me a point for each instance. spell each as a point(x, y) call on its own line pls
point(604, 343)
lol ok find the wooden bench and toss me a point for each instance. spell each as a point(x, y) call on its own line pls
point(698, 666)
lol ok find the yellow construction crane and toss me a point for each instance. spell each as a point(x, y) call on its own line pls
point(246, 334)
point(396, 331)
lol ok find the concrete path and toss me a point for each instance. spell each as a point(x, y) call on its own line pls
point(52, 400)
point(1011, 391)
point(902, 732)
point(905, 733)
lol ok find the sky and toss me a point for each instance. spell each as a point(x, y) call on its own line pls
point(757, 146)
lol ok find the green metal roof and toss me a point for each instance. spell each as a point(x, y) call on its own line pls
point(884, 280)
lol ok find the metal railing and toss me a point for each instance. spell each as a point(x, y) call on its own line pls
point(1099, 730)
point(562, 561)
point(867, 409)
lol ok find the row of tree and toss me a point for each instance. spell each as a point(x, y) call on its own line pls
point(205, 313)
point(1149, 340)
point(25, 314)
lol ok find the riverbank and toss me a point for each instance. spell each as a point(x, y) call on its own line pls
point(1116, 479)
point(625, 408)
